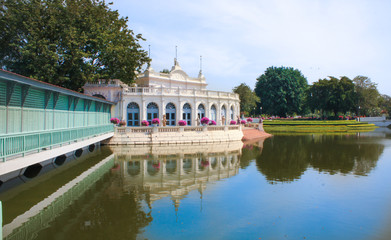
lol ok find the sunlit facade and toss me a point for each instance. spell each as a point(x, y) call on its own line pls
point(174, 95)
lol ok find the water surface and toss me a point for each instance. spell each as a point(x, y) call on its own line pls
point(285, 187)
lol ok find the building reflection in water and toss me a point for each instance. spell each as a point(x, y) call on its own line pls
point(121, 189)
point(167, 171)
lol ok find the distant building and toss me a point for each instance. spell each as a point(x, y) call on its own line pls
point(174, 95)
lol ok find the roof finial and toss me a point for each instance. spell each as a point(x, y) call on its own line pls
point(176, 56)
point(200, 75)
point(201, 63)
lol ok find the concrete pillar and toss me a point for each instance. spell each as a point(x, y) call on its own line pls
point(124, 113)
point(143, 166)
point(194, 115)
point(162, 112)
point(179, 111)
point(143, 111)
point(180, 165)
point(218, 114)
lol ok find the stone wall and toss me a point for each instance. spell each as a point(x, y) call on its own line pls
point(372, 119)
point(175, 135)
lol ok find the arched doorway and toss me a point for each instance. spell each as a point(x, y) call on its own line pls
point(201, 111)
point(170, 114)
point(231, 113)
point(152, 112)
point(213, 113)
point(223, 114)
point(133, 114)
point(134, 168)
point(187, 114)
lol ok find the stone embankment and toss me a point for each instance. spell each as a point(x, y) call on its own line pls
point(175, 135)
point(254, 131)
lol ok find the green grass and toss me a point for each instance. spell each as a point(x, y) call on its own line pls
point(312, 122)
point(337, 126)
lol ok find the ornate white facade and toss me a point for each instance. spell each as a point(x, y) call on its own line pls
point(174, 95)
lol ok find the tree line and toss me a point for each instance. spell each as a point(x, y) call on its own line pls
point(68, 42)
point(284, 91)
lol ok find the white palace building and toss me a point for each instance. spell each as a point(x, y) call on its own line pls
point(174, 95)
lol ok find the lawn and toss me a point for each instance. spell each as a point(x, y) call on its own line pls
point(308, 126)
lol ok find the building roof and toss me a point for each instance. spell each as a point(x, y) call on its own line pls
point(10, 76)
point(176, 74)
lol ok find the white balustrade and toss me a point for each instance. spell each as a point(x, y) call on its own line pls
point(158, 91)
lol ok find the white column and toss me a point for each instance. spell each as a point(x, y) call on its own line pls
point(218, 114)
point(180, 165)
point(180, 112)
point(143, 111)
point(124, 111)
point(162, 112)
point(207, 108)
point(194, 113)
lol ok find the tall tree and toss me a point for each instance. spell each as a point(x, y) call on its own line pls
point(385, 104)
point(281, 90)
point(367, 96)
point(68, 42)
point(332, 95)
point(248, 99)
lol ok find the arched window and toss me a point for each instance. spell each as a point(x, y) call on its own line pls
point(152, 112)
point(134, 168)
point(171, 166)
point(170, 114)
point(201, 111)
point(187, 114)
point(187, 165)
point(223, 114)
point(153, 167)
point(232, 113)
point(133, 114)
point(213, 113)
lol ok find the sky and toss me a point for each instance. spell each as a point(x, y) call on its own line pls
point(239, 39)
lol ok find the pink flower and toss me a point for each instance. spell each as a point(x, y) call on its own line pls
point(156, 121)
point(114, 120)
point(182, 123)
point(204, 120)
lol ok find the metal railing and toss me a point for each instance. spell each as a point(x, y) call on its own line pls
point(22, 143)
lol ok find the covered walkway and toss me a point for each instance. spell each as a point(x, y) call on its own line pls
point(36, 116)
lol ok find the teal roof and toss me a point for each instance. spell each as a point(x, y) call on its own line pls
point(10, 76)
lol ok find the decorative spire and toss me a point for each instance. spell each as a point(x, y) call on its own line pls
point(176, 57)
point(200, 75)
point(200, 64)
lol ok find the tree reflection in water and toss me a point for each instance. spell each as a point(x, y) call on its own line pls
point(283, 160)
point(286, 158)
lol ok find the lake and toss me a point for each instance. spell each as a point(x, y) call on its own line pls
point(313, 186)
